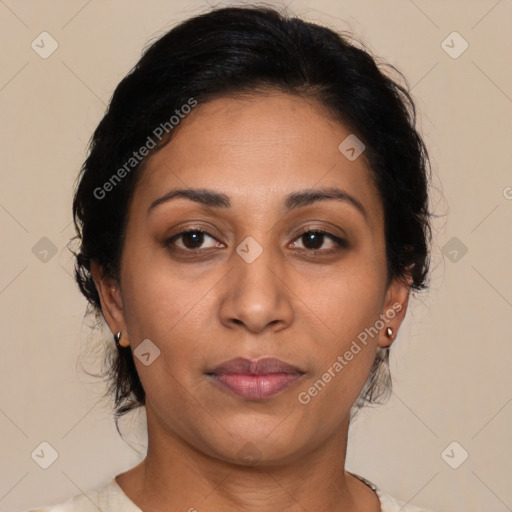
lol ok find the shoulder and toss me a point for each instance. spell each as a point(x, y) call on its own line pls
point(107, 498)
point(388, 503)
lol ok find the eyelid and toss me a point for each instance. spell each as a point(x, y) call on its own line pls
point(319, 226)
point(340, 242)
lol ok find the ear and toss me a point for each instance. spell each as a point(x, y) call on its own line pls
point(395, 307)
point(111, 302)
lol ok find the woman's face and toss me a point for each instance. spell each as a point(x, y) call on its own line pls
point(254, 286)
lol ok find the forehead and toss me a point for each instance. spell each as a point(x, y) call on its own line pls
point(262, 145)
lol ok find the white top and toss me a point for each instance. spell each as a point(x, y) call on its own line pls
point(111, 498)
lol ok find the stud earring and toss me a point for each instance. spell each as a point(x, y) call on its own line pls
point(389, 332)
point(117, 337)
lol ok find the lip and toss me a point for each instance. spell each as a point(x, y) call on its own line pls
point(255, 379)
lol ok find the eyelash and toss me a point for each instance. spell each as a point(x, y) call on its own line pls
point(340, 242)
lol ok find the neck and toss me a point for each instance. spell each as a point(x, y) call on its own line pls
point(176, 476)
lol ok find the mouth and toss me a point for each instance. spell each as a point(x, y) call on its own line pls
point(255, 379)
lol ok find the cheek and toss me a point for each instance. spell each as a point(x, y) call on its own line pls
point(158, 294)
point(349, 298)
point(343, 353)
point(170, 308)
point(346, 309)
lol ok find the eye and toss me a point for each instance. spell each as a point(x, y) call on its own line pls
point(192, 240)
point(314, 240)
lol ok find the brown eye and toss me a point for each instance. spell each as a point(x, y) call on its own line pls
point(313, 240)
point(193, 240)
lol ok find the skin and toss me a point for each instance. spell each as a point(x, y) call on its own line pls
point(302, 307)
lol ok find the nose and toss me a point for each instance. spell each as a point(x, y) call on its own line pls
point(256, 295)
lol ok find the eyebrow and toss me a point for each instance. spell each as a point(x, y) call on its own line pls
point(301, 198)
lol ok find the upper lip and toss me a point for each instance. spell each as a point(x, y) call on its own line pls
point(264, 366)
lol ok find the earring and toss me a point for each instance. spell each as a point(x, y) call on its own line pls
point(117, 337)
point(389, 332)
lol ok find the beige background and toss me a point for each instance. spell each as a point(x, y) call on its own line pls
point(451, 362)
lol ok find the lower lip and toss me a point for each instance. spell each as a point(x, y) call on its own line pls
point(256, 387)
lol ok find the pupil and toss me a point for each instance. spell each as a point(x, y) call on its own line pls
point(193, 239)
point(313, 239)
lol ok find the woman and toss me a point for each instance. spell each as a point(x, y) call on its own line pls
point(253, 215)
